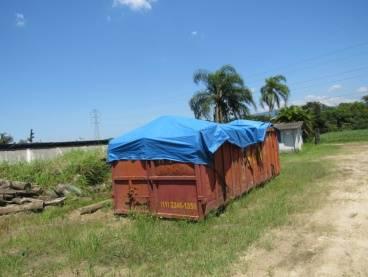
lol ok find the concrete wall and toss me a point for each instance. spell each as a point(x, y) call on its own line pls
point(28, 155)
point(291, 140)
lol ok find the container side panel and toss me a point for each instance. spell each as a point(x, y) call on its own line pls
point(253, 156)
point(228, 170)
point(218, 169)
point(139, 195)
point(208, 191)
point(129, 168)
point(247, 170)
point(267, 158)
point(120, 192)
point(177, 199)
point(168, 168)
point(237, 170)
point(131, 195)
point(245, 177)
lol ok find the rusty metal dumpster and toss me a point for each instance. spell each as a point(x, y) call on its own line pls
point(173, 189)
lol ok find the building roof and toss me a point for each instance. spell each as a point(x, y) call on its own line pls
point(288, 125)
point(43, 145)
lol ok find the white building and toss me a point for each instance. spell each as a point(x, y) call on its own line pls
point(290, 136)
point(20, 152)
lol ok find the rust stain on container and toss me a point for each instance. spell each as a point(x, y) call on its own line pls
point(183, 190)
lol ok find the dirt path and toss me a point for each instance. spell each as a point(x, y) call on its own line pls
point(331, 241)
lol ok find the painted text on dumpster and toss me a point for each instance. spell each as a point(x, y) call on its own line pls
point(178, 205)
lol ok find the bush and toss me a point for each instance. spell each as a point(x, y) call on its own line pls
point(82, 168)
point(346, 116)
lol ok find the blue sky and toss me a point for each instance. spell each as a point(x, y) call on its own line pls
point(133, 60)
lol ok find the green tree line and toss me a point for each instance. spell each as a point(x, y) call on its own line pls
point(224, 97)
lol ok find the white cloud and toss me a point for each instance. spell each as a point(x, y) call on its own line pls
point(194, 33)
point(327, 100)
point(20, 20)
point(334, 88)
point(135, 5)
point(362, 90)
point(297, 102)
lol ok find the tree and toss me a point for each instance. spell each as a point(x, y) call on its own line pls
point(365, 99)
point(316, 109)
point(295, 113)
point(348, 116)
point(273, 91)
point(225, 96)
point(5, 138)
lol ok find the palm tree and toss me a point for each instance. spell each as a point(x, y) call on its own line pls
point(225, 95)
point(273, 91)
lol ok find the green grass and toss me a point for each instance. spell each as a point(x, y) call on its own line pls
point(49, 243)
point(81, 168)
point(345, 136)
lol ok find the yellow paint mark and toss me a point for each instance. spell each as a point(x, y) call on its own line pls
point(178, 205)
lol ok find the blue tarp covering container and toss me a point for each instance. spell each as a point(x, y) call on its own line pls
point(184, 139)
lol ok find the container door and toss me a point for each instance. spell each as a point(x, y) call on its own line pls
point(176, 198)
point(131, 194)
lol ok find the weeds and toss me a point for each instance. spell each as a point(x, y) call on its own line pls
point(82, 168)
point(147, 246)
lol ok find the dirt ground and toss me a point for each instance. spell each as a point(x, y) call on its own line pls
point(332, 240)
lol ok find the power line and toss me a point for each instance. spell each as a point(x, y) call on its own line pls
point(313, 58)
point(334, 81)
point(314, 66)
point(330, 75)
point(326, 77)
point(95, 116)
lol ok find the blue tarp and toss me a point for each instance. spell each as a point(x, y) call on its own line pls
point(184, 139)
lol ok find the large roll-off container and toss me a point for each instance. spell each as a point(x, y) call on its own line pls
point(184, 168)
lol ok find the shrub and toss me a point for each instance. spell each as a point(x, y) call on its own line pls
point(82, 168)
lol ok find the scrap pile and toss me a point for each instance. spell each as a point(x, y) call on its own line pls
point(18, 197)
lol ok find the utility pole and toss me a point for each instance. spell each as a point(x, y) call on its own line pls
point(95, 116)
point(31, 136)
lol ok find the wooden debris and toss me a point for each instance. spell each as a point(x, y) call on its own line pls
point(37, 190)
point(20, 201)
point(18, 196)
point(4, 183)
point(65, 189)
point(20, 185)
point(94, 207)
point(35, 205)
point(15, 193)
point(2, 202)
point(55, 202)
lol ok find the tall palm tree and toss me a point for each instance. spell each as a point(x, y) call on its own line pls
point(273, 91)
point(225, 96)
